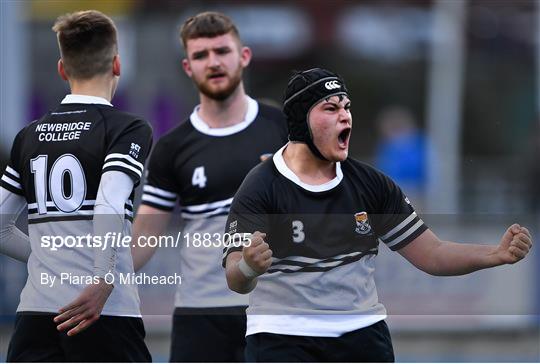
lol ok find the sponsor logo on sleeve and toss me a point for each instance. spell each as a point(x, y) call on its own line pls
point(134, 150)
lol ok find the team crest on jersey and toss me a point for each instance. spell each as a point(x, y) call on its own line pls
point(362, 223)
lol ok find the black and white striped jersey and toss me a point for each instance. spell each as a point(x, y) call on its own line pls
point(56, 164)
point(324, 239)
point(57, 161)
point(202, 168)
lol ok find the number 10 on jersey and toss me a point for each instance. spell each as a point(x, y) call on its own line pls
point(65, 202)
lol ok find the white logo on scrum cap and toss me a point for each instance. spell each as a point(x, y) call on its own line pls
point(331, 85)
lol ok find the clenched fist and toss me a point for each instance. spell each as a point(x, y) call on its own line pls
point(515, 244)
point(258, 255)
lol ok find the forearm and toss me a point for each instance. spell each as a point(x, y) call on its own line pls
point(445, 258)
point(106, 222)
point(109, 210)
point(141, 255)
point(452, 259)
point(149, 222)
point(236, 280)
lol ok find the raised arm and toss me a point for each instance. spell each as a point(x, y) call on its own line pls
point(444, 258)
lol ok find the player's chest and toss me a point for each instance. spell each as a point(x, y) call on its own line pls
point(217, 166)
point(323, 225)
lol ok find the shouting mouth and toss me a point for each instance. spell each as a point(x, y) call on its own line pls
point(343, 138)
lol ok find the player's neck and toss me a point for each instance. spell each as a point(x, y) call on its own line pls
point(224, 113)
point(99, 87)
point(306, 166)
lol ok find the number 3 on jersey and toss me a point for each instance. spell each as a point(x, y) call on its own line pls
point(298, 231)
point(199, 178)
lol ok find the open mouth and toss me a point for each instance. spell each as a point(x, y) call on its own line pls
point(216, 75)
point(343, 137)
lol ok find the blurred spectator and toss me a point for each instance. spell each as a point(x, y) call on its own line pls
point(402, 150)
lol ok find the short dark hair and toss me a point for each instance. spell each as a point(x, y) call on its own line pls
point(88, 43)
point(209, 24)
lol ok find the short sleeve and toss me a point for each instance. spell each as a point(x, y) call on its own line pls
point(397, 223)
point(128, 150)
point(11, 178)
point(249, 212)
point(160, 188)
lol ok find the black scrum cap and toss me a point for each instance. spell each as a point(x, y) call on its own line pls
point(305, 90)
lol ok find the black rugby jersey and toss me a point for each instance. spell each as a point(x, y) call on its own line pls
point(203, 168)
point(347, 216)
point(324, 239)
point(57, 161)
point(56, 165)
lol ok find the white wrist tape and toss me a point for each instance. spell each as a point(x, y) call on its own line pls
point(246, 270)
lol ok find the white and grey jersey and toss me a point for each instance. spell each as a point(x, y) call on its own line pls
point(56, 164)
point(201, 168)
point(324, 240)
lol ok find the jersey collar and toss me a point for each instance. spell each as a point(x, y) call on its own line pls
point(281, 166)
point(202, 126)
point(85, 99)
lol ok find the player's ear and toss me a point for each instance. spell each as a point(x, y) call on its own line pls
point(187, 67)
point(245, 56)
point(62, 70)
point(116, 65)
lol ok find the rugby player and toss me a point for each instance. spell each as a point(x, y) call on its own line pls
point(75, 170)
point(200, 164)
point(317, 217)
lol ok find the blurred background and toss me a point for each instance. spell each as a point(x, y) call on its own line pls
point(445, 99)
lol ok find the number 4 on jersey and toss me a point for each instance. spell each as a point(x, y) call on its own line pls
point(199, 178)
